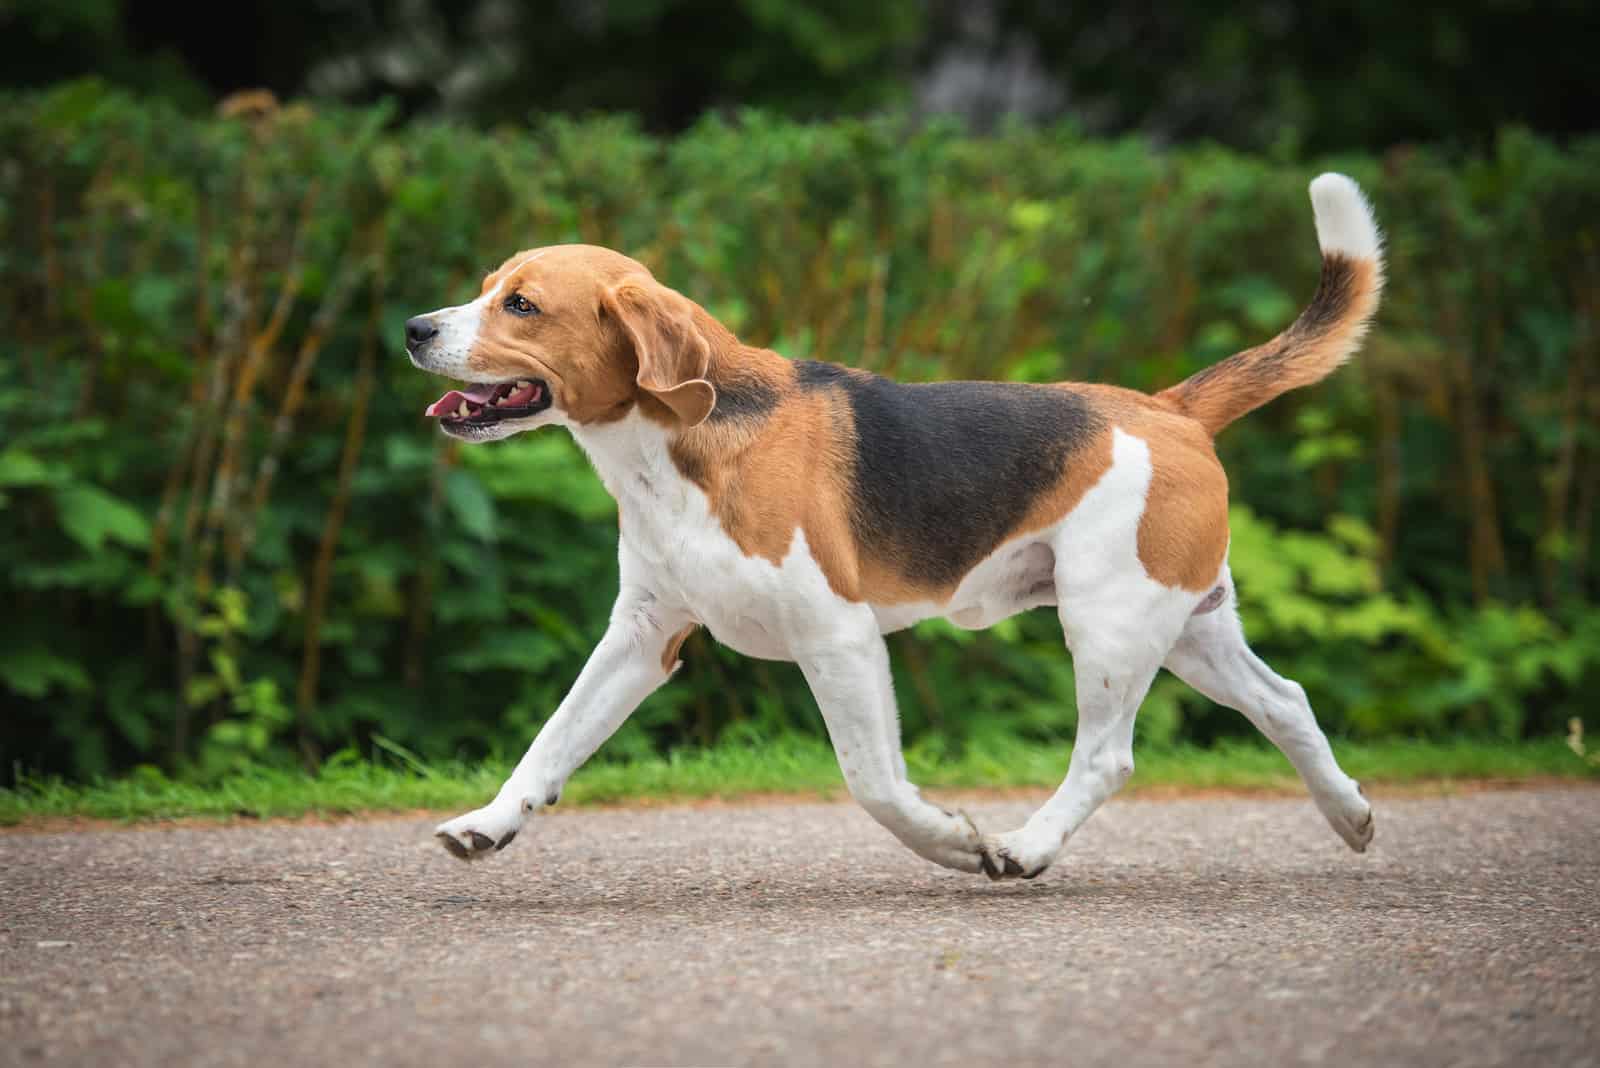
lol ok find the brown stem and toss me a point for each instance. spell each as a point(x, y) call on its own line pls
point(1486, 555)
point(194, 563)
point(95, 248)
point(54, 283)
point(1389, 460)
point(1558, 487)
point(293, 277)
point(322, 569)
point(20, 295)
point(1586, 474)
point(332, 309)
point(1178, 328)
point(200, 353)
point(877, 291)
point(221, 509)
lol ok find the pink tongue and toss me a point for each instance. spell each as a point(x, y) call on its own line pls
point(450, 402)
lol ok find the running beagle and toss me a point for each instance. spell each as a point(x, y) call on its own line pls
point(801, 510)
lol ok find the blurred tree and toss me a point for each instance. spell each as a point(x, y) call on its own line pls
point(1362, 73)
point(1250, 73)
point(667, 60)
point(53, 39)
point(492, 60)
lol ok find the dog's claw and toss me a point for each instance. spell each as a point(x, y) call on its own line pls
point(456, 849)
point(1351, 817)
point(1364, 834)
point(477, 834)
point(999, 865)
point(986, 860)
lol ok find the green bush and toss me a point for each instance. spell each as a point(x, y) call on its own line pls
point(230, 537)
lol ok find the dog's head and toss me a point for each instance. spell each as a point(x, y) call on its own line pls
point(572, 334)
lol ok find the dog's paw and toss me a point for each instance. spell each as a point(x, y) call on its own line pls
point(1352, 818)
point(1012, 856)
point(1345, 807)
point(477, 834)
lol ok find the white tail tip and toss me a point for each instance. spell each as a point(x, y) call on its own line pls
point(1344, 218)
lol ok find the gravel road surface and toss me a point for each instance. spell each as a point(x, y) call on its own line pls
point(1220, 931)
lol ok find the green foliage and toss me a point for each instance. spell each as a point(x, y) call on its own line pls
point(231, 538)
point(398, 780)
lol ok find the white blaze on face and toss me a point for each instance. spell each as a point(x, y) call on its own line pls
point(458, 327)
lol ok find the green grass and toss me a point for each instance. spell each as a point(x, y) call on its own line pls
point(797, 766)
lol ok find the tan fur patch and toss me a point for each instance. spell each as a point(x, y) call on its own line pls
point(1183, 533)
point(786, 472)
point(669, 655)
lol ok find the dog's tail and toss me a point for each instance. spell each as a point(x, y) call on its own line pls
point(1327, 333)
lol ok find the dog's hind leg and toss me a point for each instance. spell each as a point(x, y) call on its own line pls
point(1212, 656)
point(1114, 658)
point(1119, 624)
point(849, 676)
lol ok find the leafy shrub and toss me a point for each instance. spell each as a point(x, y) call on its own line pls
point(229, 536)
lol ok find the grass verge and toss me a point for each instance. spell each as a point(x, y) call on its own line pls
point(795, 766)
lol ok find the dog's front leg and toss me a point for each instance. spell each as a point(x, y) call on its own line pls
point(637, 654)
point(849, 676)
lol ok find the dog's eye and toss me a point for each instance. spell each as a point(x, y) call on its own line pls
point(517, 304)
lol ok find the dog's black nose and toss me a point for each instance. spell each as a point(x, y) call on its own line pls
point(419, 330)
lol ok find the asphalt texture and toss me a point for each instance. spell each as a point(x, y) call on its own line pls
point(1220, 931)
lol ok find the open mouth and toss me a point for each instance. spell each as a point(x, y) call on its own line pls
point(476, 405)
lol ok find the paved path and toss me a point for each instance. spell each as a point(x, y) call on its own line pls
point(1219, 931)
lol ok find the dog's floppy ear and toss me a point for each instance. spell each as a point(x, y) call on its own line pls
point(673, 352)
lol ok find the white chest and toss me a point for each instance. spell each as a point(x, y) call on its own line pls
point(747, 603)
point(676, 547)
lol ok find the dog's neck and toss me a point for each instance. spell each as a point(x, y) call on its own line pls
point(638, 444)
point(626, 453)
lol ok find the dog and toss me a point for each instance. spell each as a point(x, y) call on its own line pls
point(800, 511)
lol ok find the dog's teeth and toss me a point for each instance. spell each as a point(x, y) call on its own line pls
point(461, 410)
point(521, 385)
